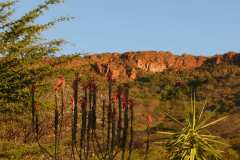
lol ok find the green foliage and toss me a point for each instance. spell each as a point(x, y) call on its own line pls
point(143, 79)
point(13, 151)
point(22, 49)
point(193, 141)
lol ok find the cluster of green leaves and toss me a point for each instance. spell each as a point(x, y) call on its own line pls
point(194, 141)
point(22, 49)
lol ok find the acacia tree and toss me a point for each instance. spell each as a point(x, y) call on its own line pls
point(22, 49)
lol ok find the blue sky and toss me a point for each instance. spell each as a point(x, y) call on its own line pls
point(200, 27)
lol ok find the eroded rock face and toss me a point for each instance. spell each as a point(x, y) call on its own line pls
point(229, 57)
point(128, 64)
point(133, 74)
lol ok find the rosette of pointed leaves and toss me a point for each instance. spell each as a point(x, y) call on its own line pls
point(194, 141)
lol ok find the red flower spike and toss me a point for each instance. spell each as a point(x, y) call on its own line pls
point(71, 102)
point(37, 106)
point(109, 76)
point(59, 83)
point(83, 102)
point(92, 85)
point(114, 99)
point(149, 120)
point(124, 102)
point(119, 92)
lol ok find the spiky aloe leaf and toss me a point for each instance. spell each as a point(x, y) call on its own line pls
point(213, 122)
point(192, 142)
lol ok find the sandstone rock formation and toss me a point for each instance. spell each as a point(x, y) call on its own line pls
point(149, 61)
point(129, 64)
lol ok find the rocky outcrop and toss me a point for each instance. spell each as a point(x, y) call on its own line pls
point(129, 64)
point(229, 57)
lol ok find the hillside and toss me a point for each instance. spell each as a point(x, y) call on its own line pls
point(130, 64)
point(158, 81)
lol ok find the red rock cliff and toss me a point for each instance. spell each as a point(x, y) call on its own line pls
point(129, 63)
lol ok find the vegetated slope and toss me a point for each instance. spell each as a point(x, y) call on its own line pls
point(129, 64)
point(159, 81)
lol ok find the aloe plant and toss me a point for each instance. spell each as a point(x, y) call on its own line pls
point(116, 131)
point(194, 141)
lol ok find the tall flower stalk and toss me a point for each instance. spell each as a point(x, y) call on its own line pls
point(149, 123)
point(131, 129)
point(61, 114)
point(119, 125)
point(74, 103)
point(125, 122)
point(113, 141)
point(109, 115)
point(116, 131)
point(84, 123)
point(58, 85)
point(103, 120)
point(56, 123)
point(75, 86)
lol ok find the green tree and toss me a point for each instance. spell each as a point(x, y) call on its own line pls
point(22, 52)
